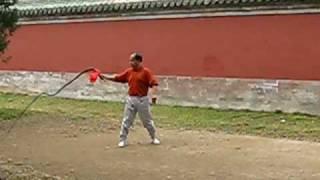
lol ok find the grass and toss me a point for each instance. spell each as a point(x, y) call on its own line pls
point(8, 114)
point(268, 124)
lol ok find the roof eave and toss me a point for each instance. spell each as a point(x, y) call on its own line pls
point(178, 13)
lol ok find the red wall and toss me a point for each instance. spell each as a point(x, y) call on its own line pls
point(285, 47)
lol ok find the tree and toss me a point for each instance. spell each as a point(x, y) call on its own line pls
point(8, 24)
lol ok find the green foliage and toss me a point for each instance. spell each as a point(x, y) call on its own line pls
point(8, 22)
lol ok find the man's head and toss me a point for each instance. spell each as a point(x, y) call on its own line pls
point(135, 60)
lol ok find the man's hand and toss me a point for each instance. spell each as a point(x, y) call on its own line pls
point(154, 100)
point(153, 95)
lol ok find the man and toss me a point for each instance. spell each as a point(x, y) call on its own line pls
point(139, 79)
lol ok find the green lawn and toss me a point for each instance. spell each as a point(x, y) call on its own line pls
point(293, 126)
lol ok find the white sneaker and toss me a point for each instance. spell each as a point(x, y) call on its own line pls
point(155, 141)
point(122, 144)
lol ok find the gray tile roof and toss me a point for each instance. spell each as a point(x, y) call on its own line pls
point(45, 8)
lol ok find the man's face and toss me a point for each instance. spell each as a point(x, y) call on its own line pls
point(134, 63)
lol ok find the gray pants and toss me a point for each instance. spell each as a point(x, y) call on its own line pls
point(133, 105)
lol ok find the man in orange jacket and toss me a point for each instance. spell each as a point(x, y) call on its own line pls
point(139, 79)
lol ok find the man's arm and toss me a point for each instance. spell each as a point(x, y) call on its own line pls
point(108, 77)
point(153, 84)
point(122, 77)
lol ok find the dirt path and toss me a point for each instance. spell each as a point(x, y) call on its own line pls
point(89, 151)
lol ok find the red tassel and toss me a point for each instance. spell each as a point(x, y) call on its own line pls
point(94, 74)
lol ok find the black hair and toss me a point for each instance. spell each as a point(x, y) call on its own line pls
point(137, 57)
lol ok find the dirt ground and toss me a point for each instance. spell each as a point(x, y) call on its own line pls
point(87, 150)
